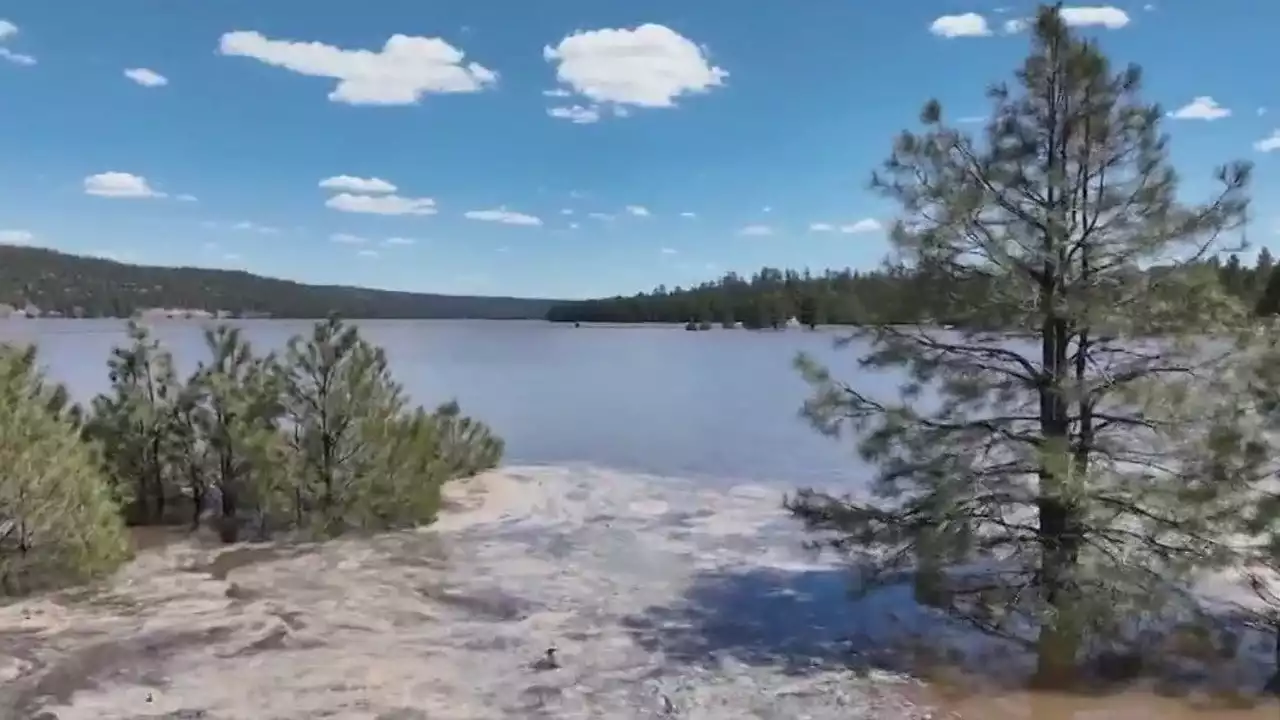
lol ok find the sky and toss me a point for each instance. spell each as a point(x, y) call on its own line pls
point(559, 148)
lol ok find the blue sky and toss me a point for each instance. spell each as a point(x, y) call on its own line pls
point(561, 148)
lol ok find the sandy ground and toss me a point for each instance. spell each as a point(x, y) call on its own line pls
point(664, 600)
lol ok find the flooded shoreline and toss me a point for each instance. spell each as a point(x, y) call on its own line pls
point(662, 598)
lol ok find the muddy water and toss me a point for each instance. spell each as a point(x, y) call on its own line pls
point(1135, 705)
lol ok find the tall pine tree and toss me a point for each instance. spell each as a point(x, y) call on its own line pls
point(1066, 458)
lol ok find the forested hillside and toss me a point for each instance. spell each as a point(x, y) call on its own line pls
point(848, 297)
point(54, 281)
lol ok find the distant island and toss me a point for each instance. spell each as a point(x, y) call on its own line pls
point(774, 298)
point(47, 283)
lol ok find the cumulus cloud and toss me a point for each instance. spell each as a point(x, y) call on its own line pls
point(248, 226)
point(638, 210)
point(404, 71)
point(576, 114)
point(1269, 143)
point(1015, 26)
point(146, 77)
point(615, 68)
point(114, 184)
point(865, 225)
point(381, 204)
point(966, 25)
point(502, 215)
point(1202, 107)
point(347, 239)
point(371, 186)
point(399, 241)
point(16, 237)
point(756, 230)
point(975, 25)
point(8, 30)
point(1112, 18)
point(688, 214)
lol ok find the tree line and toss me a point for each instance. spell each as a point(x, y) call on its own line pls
point(1064, 486)
point(79, 286)
point(319, 440)
point(903, 294)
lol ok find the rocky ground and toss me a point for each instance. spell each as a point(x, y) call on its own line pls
point(663, 599)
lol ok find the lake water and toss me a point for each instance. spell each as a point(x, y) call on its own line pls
point(720, 405)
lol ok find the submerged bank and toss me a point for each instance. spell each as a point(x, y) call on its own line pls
point(628, 576)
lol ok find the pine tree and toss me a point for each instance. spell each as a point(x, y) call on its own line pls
point(1073, 447)
point(135, 422)
point(236, 406)
point(61, 522)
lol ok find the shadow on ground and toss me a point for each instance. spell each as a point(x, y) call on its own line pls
point(798, 620)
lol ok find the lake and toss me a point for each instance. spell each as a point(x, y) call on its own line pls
point(719, 406)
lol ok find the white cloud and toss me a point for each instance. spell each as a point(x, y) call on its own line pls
point(649, 66)
point(368, 253)
point(247, 226)
point(966, 25)
point(668, 251)
point(186, 197)
point(1015, 26)
point(381, 204)
point(371, 186)
point(1202, 107)
point(576, 114)
point(1261, 111)
point(16, 58)
point(688, 214)
point(638, 210)
point(15, 237)
point(502, 215)
point(606, 217)
point(399, 241)
point(231, 257)
point(758, 230)
point(119, 185)
point(566, 211)
point(146, 78)
point(8, 30)
point(574, 226)
point(865, 225)
point(347, 239)
point(1269, 143)
point(557, 93)
point(1112, 18)
point(401, 73)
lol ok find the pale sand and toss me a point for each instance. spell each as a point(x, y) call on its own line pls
point(651, 588)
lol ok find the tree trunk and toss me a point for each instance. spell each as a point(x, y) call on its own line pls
point(229, 523)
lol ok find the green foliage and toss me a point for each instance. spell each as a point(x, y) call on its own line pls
point(1089, 457)
point(321, 441)
point(58, 520)
point(94, 287)
point(136, 423)
point(897, 294)
point(363, 458)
